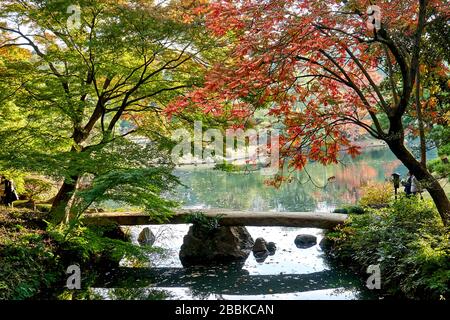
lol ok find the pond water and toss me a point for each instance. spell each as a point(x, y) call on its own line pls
point(291, 273)
point(318, 188)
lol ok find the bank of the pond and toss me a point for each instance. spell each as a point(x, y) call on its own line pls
point(34, 258)
point(409, 243)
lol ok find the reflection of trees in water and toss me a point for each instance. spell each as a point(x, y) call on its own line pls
point(163, 236)
point(374, 166)
point(391, 167)
point(202, 282)
point(350, 179)
point(217, 279)
point(248, 192)
point(356, 175)
point(138, 294)
point(243, 191)
point(346, 275)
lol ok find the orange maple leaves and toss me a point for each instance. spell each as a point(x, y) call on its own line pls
point(310, 64)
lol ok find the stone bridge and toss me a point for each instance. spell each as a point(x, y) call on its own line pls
point(228, 218)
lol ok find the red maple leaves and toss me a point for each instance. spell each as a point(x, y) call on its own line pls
point(313, 65)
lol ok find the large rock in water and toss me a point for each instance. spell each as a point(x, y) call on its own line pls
point(272, 247)
point(326, 244)
point(260, 245)
point(146, 237)
point(304, 241)
point(218, 246)
point(260, 251)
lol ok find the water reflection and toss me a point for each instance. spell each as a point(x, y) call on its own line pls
point(291, 273)
point(225, 280)
point(328, 187)
point(127, 293)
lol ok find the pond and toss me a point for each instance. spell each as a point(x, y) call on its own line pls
point(291, 273)
point(318, 188)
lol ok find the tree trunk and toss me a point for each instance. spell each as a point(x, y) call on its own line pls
point(60, 206)
point(423, 146)
point(424, 176)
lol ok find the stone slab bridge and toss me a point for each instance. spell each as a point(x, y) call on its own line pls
point(228, 218)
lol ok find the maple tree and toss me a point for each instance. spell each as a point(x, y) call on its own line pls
point(66, 87)
point(318, 68)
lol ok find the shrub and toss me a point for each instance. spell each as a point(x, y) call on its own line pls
point(206, 223)
point(355, 210)
point(340, 210)
point(28, 264)
point(227, 167)
point(376, 194)
point(409, 242)
point(439, 167)
point(350, 210)
point(92, 245)
point(38, 189)
point(34, 257)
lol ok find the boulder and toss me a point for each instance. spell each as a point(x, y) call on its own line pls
point(261, 256)
point(271, 247)
point(117, 232)
point(222, 245)
point(326, 244)
point(304, 241)
point(260, 245)
point(146, 237)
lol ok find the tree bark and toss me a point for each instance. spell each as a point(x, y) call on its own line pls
point(423, 146)
point(61, 202)
point(430, 183)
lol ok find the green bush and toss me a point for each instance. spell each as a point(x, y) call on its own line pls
point(227, 167)
point(34, 257)
point(376, 195)
point(27, 267)
point(206, 223)
point(350, 210)
point(93, 246)
point(409, 242)
point(340, 210)
point(438, 167)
